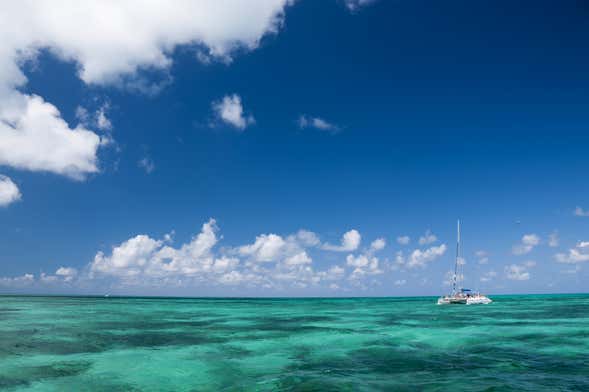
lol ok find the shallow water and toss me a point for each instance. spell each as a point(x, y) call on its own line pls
point(518, 343)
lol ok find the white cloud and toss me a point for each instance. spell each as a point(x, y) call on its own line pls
point(18, 281)
point(578, 254)
point(305, 121)
point(355, 5)
point(34, 137)
point(349, 242)
point(400, 282)
point(363, 265)
point(103, 122)
point(488, 276)
point(271, 262)
point(420, 258)
point(266, 248)
point(581, 212)
point(359, 261)
point(528, 242)
point(146, 163)
point(366, 263)
point(517, 272)
point(66, 273)
point(232, 278)
point(399, 259)
point(427, 238)
point(307, 238)
point(283, 260)
point(9, 192)
point(378, 244)
point(230, 110)
point(483, 256)
point(553, 240)
point(111, 39)
point(298, 259)
point(110, 42)
point(333, 273)
point(403, 240)
point(97, 119)
point(143, 256)
point(129, 258)
point(225, 264)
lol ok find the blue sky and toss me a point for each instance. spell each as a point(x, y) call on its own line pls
point(283, 148)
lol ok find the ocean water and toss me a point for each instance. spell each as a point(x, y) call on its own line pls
point(518, 343)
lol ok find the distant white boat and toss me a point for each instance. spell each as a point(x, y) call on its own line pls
point(462, 296)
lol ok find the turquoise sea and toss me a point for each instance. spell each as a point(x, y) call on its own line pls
point(518, 343)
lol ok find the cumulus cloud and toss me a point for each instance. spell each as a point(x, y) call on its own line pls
point(378, 244)
point(488, 276)
point(103, 122)
point(305, 121)
point(298, 259)
point(399, 259)
point(420, 258)
point(270, 262)
point(483, 256)
point(66, 272)
point(98, 119)
point(147, 164)
point(581, 212)
point(350, 242)
point(9, 192)
point(111, 39)
point(427, 238)
point(366, 263)
point(528, 242)
point(517, 272)
point(333, 273)
point(230, 110)
point(363, 265)
point(355, 5)
point(62, 275)
point(400, 282)
point(18, 281)
point(145, 256)
point(307, 238)
point(403, 240)
point(34, 137)
point(288, 252)
point(110, 43)
point(576, 255)
point(266, 248)
point(553, 240)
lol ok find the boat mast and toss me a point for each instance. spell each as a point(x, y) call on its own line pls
point(457, 257)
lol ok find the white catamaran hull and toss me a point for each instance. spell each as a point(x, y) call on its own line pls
point(475, 300)
point(482, 300)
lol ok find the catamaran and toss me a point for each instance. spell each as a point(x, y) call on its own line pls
point(461, 296)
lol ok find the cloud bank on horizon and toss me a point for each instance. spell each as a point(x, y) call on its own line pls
point(272, 262)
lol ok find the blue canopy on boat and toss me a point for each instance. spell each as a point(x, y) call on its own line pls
point(463, 290)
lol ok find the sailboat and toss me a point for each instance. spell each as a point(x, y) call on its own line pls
point(461, 296)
